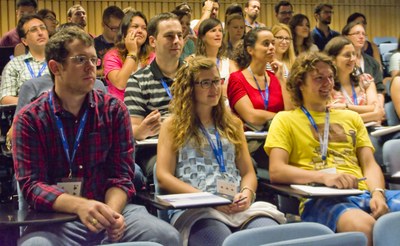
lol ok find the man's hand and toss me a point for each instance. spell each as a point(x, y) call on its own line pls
point(150, 125)
point(97, 216)
point(116, 231)
point(378, 205)
point(340, 181)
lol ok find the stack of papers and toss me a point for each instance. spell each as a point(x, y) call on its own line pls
point(187, 200)
point(326, 191)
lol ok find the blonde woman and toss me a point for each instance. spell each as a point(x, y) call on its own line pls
point(284, 50)
point(200, 144)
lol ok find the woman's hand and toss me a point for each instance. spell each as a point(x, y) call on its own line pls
point(277, 67)
point(241, 202)
point(365, 80)
point(131, 42)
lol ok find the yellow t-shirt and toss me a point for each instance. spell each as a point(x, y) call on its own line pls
point(293, 132)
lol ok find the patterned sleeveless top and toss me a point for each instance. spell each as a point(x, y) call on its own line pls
point(199, 167)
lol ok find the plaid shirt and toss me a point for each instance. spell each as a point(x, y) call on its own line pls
point(104, 158)
point(16, 72)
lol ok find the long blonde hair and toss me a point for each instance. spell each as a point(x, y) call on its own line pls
point(185, 122)
point(289, 56)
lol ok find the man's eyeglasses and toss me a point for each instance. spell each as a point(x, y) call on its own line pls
point(35, 29)
point(206, 84)
point(82, 60)
point(113, 29)
point(52, 19)
point(281, 39)
point(286, 12)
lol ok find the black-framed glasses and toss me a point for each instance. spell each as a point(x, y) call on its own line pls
point(81, 60)
point(286, 12)
point(206, 83)
point(280, 38)
point(113, 29)
point(52, 19)
point(35, 29)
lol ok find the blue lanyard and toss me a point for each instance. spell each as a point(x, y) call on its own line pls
point(323, 141)
point(218, 151)
point(265, 95)
point(28, 64)
point(63, 137)
point(355, 101)
point(164, 84)
point(218, 61)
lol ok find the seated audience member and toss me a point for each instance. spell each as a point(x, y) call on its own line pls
point(49, 19)
point(77, 14)
point(210, 44)
point(394, 93)
point(252, 9)
point(369, 48)
point(394, 67)
point(301, 152)
point(284, 50)
point(131, 53)
point(148, 92)
point(112, 17)
point(355, 31)
point(322, 33)
point(302, 39)
point(43, 162)
point(348, 94)
point(254, 93)
point(24, 7)
point(203, 136)
point(283, 12)
point(234, 32)
point(210, 10)
point(34, 35)
point(233, 8)
point(189, 46)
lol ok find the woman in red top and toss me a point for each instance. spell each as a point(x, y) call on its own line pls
point(254, 93)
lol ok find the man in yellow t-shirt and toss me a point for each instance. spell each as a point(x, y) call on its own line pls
point(315, 144)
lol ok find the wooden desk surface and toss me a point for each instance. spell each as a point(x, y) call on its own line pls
point(10, 216)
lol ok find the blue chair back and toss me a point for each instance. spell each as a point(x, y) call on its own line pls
point(386, 230)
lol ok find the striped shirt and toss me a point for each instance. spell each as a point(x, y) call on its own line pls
point(16, 72)
point(104, 158)
point(145, 93)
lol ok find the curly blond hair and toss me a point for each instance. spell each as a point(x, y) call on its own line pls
point(305, 63)
point(185, 122)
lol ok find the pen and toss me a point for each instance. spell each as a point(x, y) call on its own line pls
point(361, 179)
point(241, 199)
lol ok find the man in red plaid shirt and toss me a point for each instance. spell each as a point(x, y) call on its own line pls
point(73, 152)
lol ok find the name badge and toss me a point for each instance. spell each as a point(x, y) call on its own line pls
point(331, 170)
point(226, 188)
point(71, 186)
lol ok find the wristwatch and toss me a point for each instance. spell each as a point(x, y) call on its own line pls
point(380, 190)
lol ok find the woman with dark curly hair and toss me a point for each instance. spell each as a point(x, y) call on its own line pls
point(200, 145)
point(131, 53)
point(302, 39)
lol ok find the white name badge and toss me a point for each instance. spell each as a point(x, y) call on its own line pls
point(73, 187)
point(226, 188)
point(331, 170)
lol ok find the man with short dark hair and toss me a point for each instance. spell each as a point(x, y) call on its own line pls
point(210, 10)
point(147, 94)
point(283, 12)
point(112, 17)
point(34, 35)
point(322, 33)
point(73, 153)
point(252, 10)
point(24, 7)
point(77, 14)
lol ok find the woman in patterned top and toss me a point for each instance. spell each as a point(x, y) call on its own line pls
point(202, 144)
point(348, 92)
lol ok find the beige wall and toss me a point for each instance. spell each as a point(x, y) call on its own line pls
point(383, 15)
